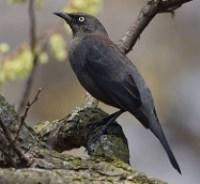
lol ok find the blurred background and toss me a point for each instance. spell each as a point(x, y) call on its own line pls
point(167, 55)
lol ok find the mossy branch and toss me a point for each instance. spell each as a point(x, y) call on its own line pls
point(45, 147)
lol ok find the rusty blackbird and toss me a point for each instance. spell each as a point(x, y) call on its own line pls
point(108, 75)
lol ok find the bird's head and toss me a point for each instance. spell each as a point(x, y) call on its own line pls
point(82, 23)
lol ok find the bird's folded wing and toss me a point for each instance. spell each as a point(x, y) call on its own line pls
point(112, 73)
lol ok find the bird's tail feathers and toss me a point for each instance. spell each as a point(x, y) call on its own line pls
point(156, 128)
point(153, 124)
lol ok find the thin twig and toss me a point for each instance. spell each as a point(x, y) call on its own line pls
point(33, 42)
point(43, 43)
point(12, 144)
point(28, 107)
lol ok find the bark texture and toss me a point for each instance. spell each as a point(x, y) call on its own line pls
point(46, 144)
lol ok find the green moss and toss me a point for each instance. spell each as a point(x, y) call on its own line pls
point(142, 179)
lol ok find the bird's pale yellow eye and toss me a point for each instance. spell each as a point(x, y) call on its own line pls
point(81, 19)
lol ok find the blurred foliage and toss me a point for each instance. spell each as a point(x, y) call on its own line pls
point(16, 1)
point(18, 63)
point(4, 47)
point(43, 58)
point(58, 46)
point(90, 6)
point(38, 3)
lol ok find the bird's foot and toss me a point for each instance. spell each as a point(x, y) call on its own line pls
point(102, 126)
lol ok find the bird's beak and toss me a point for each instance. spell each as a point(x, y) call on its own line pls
point(65, 16)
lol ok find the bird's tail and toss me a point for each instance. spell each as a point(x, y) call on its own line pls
point(153, 124)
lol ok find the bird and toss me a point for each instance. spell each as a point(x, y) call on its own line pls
point(110, 76)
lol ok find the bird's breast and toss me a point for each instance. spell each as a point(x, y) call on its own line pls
point(77, 58)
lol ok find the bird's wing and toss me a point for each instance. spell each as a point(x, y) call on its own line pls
point(112, 73)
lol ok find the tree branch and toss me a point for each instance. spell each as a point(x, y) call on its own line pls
point(33, 43)
point(109, 154)
point(148, 12)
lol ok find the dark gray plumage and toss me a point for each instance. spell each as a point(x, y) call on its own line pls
point(109, 75)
